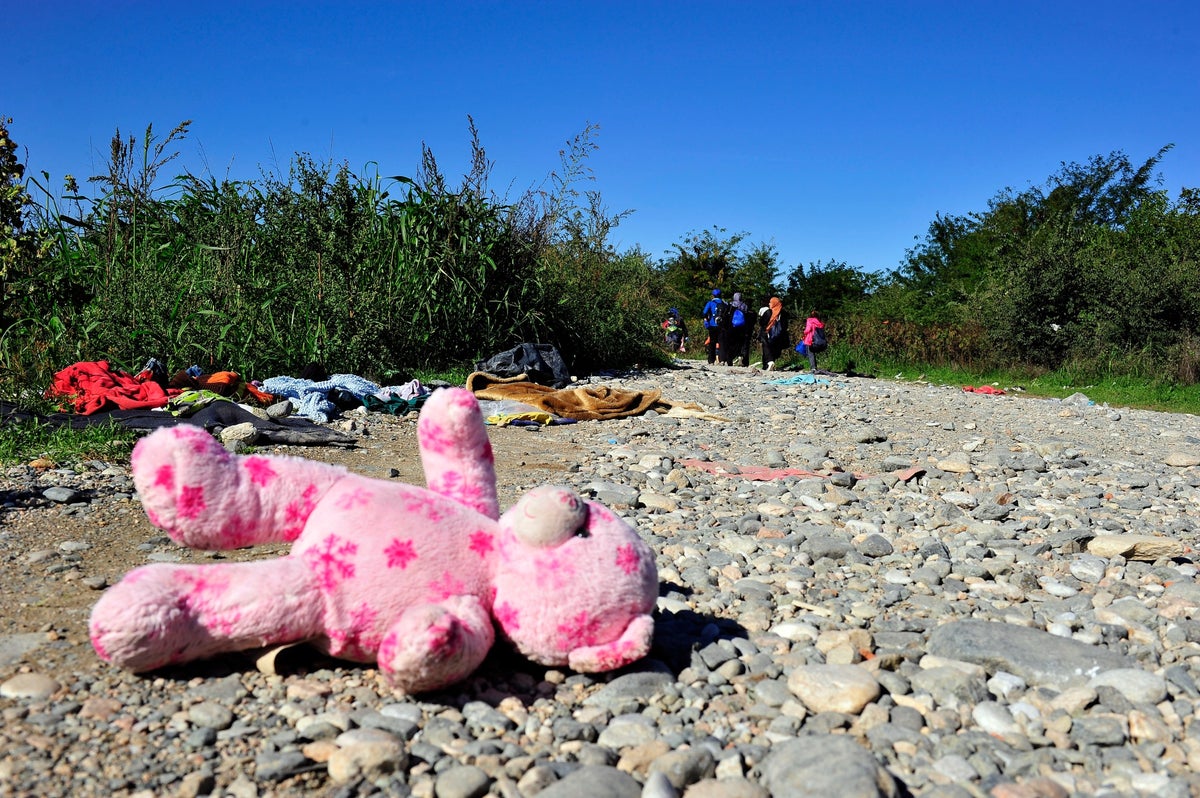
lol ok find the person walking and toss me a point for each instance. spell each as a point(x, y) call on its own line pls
point(775, 333)
point(760, 335)
point(737, 336)
point(813, 341)
point(712, 324)
point(675, 332)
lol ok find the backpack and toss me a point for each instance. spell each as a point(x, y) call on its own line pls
point(776, 334)
point(718, 313)
point(739, 318)
point(819, 341)
point(724, 315)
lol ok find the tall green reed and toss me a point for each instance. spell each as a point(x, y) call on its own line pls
point(366, 274)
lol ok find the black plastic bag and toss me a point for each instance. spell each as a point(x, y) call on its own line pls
point(541, 363)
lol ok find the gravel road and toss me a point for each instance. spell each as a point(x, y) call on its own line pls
point(868, 588)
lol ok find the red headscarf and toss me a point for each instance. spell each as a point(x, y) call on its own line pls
point(776, 306)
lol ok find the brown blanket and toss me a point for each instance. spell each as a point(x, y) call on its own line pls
point(591, 403)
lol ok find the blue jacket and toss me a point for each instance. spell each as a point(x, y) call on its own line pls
point(711, 311)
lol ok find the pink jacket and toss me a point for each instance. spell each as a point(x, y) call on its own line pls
point(812, 324)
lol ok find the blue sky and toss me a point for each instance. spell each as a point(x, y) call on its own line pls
point(834, 130)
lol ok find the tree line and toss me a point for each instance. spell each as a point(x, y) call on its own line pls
point(1097, 269)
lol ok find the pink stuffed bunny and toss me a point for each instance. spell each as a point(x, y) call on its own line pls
point(412, 578)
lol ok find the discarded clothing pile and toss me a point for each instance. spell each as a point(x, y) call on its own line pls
point(228, 384)
point(799, 379)
point(321, 400)
point(96, 393)
point(509, 413)
point(588, 403)
point(984, 389)
point(213, 417)
point(91, 386)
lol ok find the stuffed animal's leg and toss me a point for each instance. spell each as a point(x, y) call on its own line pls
point(433, 645)
point(455, 451)
point(206, 498)
point(163, 614)
point(632, 645)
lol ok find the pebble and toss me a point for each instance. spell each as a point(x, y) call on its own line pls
point(29, 685)
point(975, 595)
point(1146, 548)
point(60, 495)
point(594, 781)
point(1182, 459)
point(210, 716)
point(826, 765)
point(236, 435)
point(1139, 686)
point(462, 781)
point(834, 688)
point(684, 767)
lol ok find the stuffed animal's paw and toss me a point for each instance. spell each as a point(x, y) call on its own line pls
point(165, 614)
point(206, 498)
point(145, 621)
point(631, 646)
point(434, 645)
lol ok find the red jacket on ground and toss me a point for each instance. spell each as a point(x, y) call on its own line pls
point(91, 387)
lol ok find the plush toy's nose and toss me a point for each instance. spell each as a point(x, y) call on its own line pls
point(549, 515)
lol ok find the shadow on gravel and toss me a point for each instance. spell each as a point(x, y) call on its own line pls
point(35, 499)
point(23, 500)
point(678, 634)
point(503, 674)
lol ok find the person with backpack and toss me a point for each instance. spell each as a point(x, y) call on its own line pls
point(712, 323)
point(675, 331)
point(814, 341)
point(737, 335)
point(775, 332)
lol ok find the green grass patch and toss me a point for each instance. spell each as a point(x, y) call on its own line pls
point(26, 441)
point(1112, 390)
point(455, 375)
point(1120, 391)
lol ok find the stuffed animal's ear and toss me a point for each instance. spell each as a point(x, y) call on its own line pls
point(455, 451)
point(549, 515)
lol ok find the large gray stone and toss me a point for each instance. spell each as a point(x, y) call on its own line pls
point(640, 686)
point(13, 647)
point(820, 766)
point(1038, 657)
point(594, 781)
